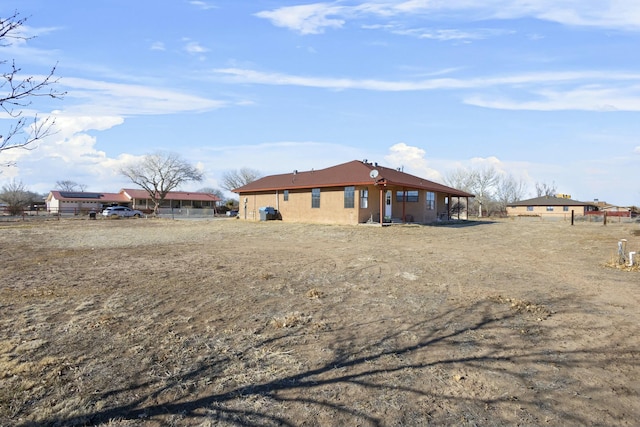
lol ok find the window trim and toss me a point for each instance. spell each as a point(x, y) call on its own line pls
point(364, 198)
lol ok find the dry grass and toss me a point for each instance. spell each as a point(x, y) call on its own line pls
point(158, 322)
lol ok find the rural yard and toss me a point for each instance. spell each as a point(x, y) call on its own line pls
point(156, 322)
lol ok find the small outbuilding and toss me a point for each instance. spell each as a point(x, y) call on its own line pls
point(77, 202)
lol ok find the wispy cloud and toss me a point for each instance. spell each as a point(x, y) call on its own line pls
point(158, 46)
point(195, 48)
point(315, 18)
point(119, 99)
point(588, 98)
point(537, 91)
point(203, 5)
point(306, 19)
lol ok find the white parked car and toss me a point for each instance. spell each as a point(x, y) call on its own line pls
point(122, 212)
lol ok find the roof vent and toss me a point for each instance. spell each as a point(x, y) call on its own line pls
point(295, 171)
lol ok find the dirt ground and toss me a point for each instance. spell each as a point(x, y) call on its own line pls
point(222, 322)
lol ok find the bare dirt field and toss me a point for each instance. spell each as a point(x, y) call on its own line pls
point(222, 322)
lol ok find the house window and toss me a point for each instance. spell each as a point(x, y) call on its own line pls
point(530, 208)
point(412, 196)
point(565, 208)
point(364, 199)
point(549, 208)
point(431, 200)
point(349, 197)
point(286, 195)
point(315, 198)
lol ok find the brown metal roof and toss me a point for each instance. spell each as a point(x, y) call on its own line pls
point(356, 173)
point(550, 201)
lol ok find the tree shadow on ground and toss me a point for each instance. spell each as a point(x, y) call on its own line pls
point(430, 371)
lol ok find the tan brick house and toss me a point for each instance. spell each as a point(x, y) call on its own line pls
point(350, 193)
point(550, 207)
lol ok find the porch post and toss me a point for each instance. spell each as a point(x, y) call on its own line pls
point(467, 209)
point(381, 206)
point(404, 201)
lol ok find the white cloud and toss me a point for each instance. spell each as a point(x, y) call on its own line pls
point(202, 5)
point(545, 91)
point(314, 18)
point(102, 98)
point(411, 160)
point(158, 46)
point(194, 48)
point(70, 153)
point(589, 98)
point(305, 19)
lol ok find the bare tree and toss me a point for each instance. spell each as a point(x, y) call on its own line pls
point(237, 178)
point(160, 173)
point(509, 190)
point(17, 92)
point(460, 179)
point(481, 182)
point(544, 189)
point(17, 197)
point(68, 185)
point(214, 191)
point(484, 183)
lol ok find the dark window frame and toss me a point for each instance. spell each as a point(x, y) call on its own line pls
point(315, 198)
point(412, 196)
point(349, 197)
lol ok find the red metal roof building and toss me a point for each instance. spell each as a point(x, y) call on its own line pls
point(75, 202)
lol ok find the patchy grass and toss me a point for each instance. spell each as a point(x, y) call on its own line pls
point(158, 322)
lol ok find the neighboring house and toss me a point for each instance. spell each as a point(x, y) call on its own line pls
point(613, 210)
point(76, 202)
point(175, 199)
point(350, 193)
point(550, 207)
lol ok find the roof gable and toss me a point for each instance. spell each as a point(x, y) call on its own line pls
point(347, 174)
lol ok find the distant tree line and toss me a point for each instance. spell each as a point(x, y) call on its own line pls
point(493, 190)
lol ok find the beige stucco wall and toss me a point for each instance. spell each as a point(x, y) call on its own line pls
point(557, 212)
point(332, 211)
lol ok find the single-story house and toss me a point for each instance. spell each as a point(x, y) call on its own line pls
point(76, 202)
point(550, 207)
point(175, 199)
point(349, 193)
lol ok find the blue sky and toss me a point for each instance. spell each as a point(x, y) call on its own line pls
point(545, 90)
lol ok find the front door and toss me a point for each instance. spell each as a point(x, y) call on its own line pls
point(387, 204)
